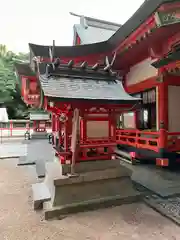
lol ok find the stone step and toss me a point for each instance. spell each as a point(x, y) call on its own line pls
point(40, 135)
point(41, 194)
point(24, 160)
point(112, 173)
point(123, 154)
point(61, 211)
point(91, 166)
point(40, 168)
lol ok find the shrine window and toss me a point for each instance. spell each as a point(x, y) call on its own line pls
point(146, 115)
point(48, 124)
point(127, 121)
point(19, 124)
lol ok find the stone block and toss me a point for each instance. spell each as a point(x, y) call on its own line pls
point(40, 195)
point(40, 168)
point(59, 212)
point(87, 191)
point(92, 166)
point(39, 151)
point(24, 160)
point(39, 135)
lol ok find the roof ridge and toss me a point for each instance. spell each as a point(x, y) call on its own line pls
point(96, 20)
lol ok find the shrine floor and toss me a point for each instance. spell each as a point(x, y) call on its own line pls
point(18, 220)
point(161, 186)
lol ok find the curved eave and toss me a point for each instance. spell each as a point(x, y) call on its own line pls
point(70, 51)
point(120, 104)
point(174, 56)
point(23, 69)
point(38, 111)
point(145, 10)
point(104, 91)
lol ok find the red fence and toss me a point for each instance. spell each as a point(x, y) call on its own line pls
point(138, 139)
point(17, 128)
point(147, 140)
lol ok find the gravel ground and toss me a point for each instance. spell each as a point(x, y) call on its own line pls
point(19, 222)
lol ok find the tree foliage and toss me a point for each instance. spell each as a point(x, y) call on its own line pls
point(9, 95)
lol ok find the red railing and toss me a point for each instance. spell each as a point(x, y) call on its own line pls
point(17, 128)
point(138, 139)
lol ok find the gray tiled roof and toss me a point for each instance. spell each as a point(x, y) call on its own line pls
point(23, 69)
point(39, 116)
point(78, 88)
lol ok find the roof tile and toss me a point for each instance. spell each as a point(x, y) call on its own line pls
point(78, 88)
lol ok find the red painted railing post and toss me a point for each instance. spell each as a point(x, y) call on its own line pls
point(163, 137)
point(136, 138)
point(11, 128)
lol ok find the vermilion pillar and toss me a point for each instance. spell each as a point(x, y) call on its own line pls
point(162, 120)
point(53, 122)
point(53, 127)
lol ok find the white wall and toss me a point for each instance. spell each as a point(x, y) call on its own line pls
point(173, 108)
point(140, 72)
point(129, 120)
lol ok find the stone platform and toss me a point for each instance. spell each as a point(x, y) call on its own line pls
point(98, 187)
point(39, 152)
point(14, 149)
point(163, 182)
point(39, 135)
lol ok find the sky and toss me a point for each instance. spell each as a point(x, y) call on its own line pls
point(41, 21)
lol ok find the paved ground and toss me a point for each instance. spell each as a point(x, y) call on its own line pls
point(19, 222)
point(13, 149)
point(161, 181)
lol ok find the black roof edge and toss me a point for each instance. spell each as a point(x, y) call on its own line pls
point(100, 101)
point(96, 19)
point(144, 11)
point(171, 57)
point(23, 69)
point(71, 51)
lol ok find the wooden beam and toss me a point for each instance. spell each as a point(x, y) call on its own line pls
point(74, 139)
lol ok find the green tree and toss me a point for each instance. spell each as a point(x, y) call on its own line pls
point(9, 95)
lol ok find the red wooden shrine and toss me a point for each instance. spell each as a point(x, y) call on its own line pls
point(147, 56)
point(68, 86)
point(144, 53)
point(154, 78)
point(97, 131)
point(30, 93)
point(39, 120)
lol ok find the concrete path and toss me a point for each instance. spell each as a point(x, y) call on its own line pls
point(12, 149)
